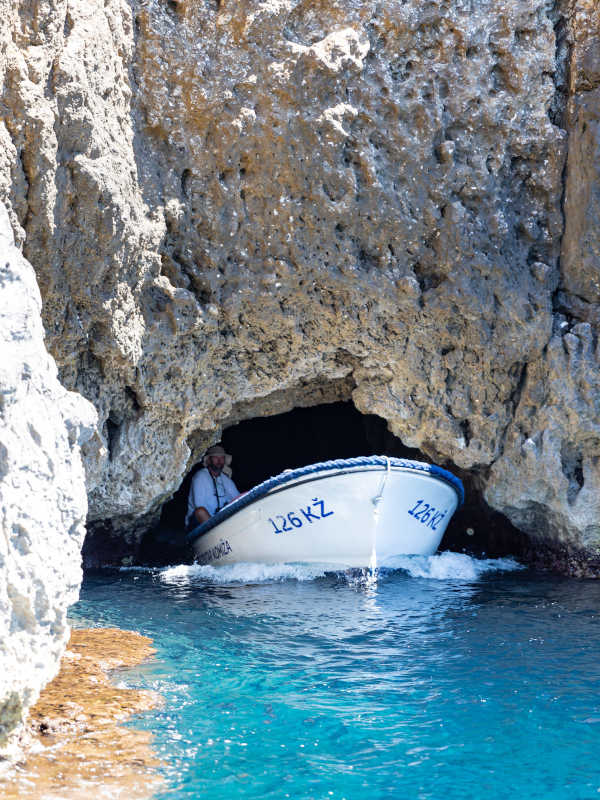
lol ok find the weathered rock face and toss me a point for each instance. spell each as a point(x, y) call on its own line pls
point(42, 492)
point(234, 208)
point(548, 477)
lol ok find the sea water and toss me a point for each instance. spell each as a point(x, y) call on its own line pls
point(446, 677)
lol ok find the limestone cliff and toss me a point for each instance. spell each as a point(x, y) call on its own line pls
point(548, 477)
point(42, 493)
point(237, 207)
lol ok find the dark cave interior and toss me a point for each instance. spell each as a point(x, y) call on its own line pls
point(265, 446)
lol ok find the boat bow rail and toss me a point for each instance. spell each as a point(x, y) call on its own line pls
point(337, 465)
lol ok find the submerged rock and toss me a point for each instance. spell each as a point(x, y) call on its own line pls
point(42, 492)
point(74, 729)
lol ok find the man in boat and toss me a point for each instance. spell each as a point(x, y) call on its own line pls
point(211, 488)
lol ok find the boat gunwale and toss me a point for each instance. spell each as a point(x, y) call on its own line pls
point(282, 481)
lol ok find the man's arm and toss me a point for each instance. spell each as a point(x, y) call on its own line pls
point(201, 514)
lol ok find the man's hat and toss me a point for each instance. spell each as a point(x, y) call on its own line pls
point(216, 450)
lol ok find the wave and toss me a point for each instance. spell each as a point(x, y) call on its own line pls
point(443, 567)
point(451, 566)
point(243, 573)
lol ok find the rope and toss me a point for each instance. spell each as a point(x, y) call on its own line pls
point(340, 463)
point(377, 499)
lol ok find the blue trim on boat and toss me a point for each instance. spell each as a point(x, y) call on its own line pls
point(341, 463)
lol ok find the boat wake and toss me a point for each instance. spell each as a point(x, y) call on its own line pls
point(446, 566)
point(451, 566)
point(243, 573)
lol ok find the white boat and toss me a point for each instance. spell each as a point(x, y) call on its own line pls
point(357, 512)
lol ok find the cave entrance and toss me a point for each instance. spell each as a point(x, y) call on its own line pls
point(265, 446)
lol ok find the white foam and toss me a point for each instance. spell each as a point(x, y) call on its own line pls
point(445, 566)
point(242, 573)
point(451, 566)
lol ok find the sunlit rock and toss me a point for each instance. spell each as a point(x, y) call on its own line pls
point(42, 492)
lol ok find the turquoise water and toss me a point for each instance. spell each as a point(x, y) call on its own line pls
point(446, 678)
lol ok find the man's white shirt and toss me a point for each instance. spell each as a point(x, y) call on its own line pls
point(210, 492)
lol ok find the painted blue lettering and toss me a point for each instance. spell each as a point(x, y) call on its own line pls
point(440, 516)
point(433, 521)
point(294, 519)
point(275, 526)
point(285, 525)
point(321, 504)
point(412, 510)
point(427, 515)
point(308, 514)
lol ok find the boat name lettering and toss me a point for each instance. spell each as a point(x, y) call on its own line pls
point(308, 514)
point(427, 514)
point(314, 511)
point(212, 554)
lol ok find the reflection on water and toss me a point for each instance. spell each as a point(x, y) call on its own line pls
point(445, 677)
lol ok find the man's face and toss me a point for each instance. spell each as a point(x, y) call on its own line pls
point(216, 463)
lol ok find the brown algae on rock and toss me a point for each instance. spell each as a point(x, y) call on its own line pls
point(74, 744)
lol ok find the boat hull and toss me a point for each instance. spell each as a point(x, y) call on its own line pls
point(354, 516)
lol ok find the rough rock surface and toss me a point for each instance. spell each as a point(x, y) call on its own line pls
point(234, 208)
point(42, 492)
point(548, 478)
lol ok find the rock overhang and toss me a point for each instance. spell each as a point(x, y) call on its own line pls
point(234, 201)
